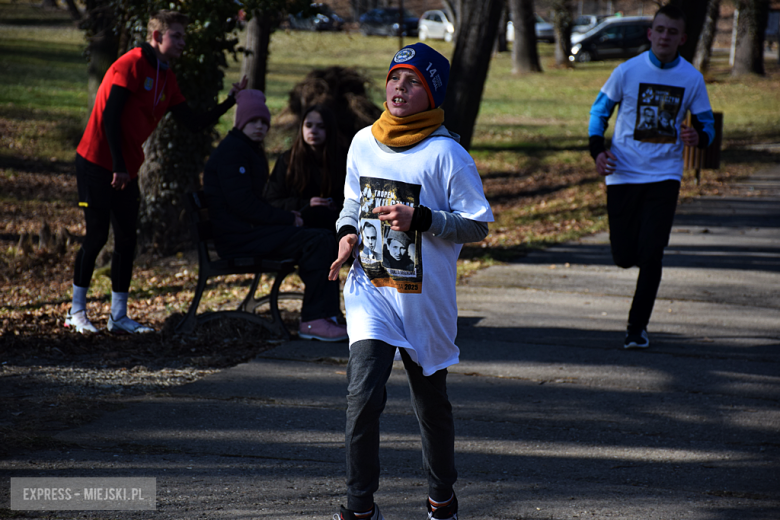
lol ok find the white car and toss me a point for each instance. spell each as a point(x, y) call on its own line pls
point(435, 25)
point(545, 32)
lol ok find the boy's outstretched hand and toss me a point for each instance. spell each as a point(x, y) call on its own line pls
point(399, 216)
point(346, 244)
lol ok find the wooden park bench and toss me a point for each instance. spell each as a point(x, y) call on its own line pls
point(211, 265)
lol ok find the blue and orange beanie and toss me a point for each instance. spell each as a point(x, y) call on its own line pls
point(431, 66)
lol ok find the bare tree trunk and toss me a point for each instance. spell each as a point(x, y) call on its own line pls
point(258, 38)
point(359, 7)
point(451, 8)
point(400, 24)
point(701, 59)
point(478, 21)
point(355, 8)
point(749, 54)
point(501, 44)
point(174, 159)
point(695, 13)
point(562, 10)
point(103, 47)
point(125, 39)
point(73, 10)
point(525, 55)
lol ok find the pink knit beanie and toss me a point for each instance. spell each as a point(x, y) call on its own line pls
point(250, 104)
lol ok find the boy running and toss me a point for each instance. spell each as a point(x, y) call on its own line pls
point(408, 173)
point(644, 166)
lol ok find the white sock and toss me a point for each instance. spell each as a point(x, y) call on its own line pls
point(367, 514)
point(436, 505)
point(118, 304)
point(79, 302)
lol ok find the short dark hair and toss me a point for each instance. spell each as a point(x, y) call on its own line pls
point(673, 12)
point(367, 225)
point(163, 20)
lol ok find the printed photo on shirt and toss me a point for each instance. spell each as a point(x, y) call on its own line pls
point(656, 113)
point(397, 255)
point(371, 241)
point(648, 118)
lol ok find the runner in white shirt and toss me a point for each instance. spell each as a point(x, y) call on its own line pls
point(644, 165)
point(408, 177)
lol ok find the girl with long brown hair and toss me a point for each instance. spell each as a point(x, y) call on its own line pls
point(309, 178)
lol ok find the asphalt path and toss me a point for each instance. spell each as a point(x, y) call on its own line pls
point(554, 419)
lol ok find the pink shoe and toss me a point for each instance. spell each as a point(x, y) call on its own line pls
point(323, 330)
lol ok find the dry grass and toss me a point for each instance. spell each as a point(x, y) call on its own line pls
point(530, 146)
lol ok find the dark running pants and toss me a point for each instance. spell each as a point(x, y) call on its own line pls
point(369, 367)
point(106, 206)
point(314, 250)
point(640, 221)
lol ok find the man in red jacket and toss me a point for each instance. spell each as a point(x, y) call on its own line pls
point(136, 92)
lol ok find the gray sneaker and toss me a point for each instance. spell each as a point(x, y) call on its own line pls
point(79, 322)
point(637, 340)
point(125, 325)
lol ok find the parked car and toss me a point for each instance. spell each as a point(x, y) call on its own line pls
point(586, 22)
point(544, 30)
point(435, 25)
point(385, 22)
point(318, 17)
point(772, 34)
point(615, 38)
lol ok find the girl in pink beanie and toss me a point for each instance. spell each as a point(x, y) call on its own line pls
point(246, 224)
point(251, 105)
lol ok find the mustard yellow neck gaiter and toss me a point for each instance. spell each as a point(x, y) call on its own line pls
point(406, 131)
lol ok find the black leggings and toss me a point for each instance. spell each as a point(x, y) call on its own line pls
point(118, 208)
point(640, 220)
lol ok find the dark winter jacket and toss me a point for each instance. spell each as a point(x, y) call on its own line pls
point(281, 195)
point(234, 181)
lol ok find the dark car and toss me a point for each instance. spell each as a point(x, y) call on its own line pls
point(772, 34)
point(385, 22)
point(317, 17)
point(614, 38)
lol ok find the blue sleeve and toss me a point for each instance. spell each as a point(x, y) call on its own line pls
point(706, 121)
point(600, 113)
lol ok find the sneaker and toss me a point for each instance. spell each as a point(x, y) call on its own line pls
point(636, 340)
point(125, 325)
point(346, 514)
point(448, 512)
point(323, 330)
point(79, 322)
